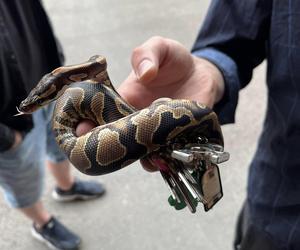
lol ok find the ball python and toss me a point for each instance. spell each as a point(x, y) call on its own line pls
point(123, 134)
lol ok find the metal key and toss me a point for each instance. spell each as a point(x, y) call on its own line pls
point(180, 193)
point(192, 174)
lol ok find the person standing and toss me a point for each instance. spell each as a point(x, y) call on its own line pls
point(28, 50)
point(236, 36)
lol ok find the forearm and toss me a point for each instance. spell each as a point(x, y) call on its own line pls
point(235, 45)
point(230, 29)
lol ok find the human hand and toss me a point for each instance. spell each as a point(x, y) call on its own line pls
point(164, 68)
point(84, 127)
point(18, 139)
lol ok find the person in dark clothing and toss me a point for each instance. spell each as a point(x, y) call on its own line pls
point(237, 35)
point(28, 50)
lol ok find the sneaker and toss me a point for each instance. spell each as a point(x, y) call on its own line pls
point(81, 190)
point(56, 236)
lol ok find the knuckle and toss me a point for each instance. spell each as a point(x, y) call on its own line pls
point(136, 51)
point(157, 39)
point(136, 54)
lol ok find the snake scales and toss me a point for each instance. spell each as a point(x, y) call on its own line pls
point(123, 134)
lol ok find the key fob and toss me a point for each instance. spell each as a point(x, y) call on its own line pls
point(211, 187)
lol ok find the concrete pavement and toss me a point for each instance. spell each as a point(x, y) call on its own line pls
point(134, 214)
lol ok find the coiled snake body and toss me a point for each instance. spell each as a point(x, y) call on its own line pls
point(123, 134)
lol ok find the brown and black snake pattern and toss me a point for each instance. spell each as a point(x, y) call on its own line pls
point(123, 134)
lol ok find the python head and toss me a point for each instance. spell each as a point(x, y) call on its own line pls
point(38, 97)
point(53, 85)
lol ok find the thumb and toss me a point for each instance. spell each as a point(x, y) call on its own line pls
point(146, 59)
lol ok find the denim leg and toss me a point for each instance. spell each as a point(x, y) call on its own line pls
point(54, 153)
point(22, 168)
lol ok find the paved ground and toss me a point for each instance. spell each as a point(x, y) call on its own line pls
point(134, 215)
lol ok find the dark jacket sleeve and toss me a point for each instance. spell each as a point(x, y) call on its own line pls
point(234, 37)
point(28, 50)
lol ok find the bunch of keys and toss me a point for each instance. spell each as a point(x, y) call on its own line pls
point(192, 174)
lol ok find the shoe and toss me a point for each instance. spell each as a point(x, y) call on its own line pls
point(56, 236)
point(81, 190)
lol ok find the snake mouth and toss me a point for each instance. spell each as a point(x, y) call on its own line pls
point(26, 109)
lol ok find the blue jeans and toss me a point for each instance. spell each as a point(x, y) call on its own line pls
point(22, 168)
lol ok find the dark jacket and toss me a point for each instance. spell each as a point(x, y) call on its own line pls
point(28, 50)
point(237, 35)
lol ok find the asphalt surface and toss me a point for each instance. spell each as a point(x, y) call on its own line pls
point(134, 214)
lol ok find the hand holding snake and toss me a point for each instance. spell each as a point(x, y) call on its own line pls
point(123, 134)
point(163, 67)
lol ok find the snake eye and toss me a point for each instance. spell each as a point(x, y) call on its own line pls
point(39, 101)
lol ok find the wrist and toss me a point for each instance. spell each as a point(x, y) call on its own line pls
point(214, 80)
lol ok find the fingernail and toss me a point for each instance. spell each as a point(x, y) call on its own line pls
point(143, 67)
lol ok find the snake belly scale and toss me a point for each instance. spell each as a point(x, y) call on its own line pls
point(123, 134)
